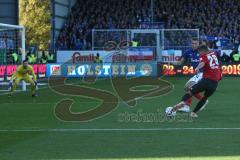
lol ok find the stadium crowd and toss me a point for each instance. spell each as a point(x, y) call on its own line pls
point(214, 18)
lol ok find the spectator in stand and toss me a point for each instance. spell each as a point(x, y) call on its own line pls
point(225, 58)
point(44, 58)
point(50, 57)
point(213, 18)
point(235, 56)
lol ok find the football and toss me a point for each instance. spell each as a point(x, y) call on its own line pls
point(169, 112)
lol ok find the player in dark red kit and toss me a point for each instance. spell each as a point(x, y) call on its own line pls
point(211, 75)
point(191, 56)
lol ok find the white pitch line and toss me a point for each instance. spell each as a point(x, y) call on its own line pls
point(116, 129)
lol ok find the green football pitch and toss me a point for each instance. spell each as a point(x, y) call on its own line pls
point(30, 129)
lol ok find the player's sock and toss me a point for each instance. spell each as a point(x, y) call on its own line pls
point(200, 104)
point(33, 89)
point(180, 105)
point(13, 88)
point(186, 97)
point(189, 101)
point(198, 96)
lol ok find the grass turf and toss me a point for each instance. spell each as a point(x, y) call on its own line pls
point(26, 127)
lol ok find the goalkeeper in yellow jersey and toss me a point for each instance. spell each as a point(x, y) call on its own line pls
point(24, 72)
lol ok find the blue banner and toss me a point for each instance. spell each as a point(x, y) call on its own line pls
point(103, 70)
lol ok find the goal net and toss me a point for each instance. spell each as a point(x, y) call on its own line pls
point(164, 43)
point(12, 53)
point(126, 45)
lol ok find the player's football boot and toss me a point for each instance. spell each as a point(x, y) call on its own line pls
point(193, 115)
point(205, 104)
point(185, 108)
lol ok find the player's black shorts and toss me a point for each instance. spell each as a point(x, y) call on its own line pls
point(207, 85)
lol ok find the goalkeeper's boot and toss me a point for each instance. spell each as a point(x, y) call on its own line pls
point(10, 95)
point(34, 95)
